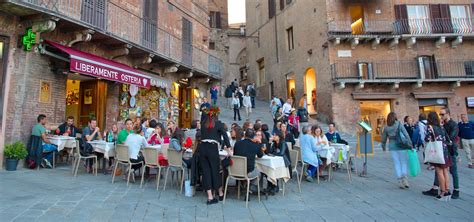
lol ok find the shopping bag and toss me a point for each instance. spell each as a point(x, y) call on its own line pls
point(188, 190)
point(414, 163)
point(434, 152)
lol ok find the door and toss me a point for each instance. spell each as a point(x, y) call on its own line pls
point(93, 99)
point(357, 19)
point(185, 109)
point(427, 67)
point(272, 90)
point(93, 12)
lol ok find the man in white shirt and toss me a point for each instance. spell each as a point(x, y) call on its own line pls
point(287, 107)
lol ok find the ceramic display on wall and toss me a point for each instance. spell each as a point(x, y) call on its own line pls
point(133, 90)
point(132, 102)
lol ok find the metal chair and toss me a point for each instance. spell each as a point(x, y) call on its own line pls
point(175, 160)
point(151, 161)
point(294, 156)
point(122, 157)
point(78, 157)
point(238, 171)
point(345, 162)
point(303, 164)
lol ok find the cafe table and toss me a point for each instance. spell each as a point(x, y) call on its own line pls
point(329, 152)
point(274, 167)
point(63, 142)
point(100, 146)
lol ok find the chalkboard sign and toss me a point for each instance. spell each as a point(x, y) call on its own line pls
point(361, 144)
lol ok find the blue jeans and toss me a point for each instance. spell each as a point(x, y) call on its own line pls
point(400, 162)
point(311, 170)
point(252, 99)
point(49, 149)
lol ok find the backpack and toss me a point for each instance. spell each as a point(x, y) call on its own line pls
point(303, 114)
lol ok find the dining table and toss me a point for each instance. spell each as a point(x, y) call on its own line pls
point(63, 142)
point(274, 167)
point(106, 148)
point(329, 152)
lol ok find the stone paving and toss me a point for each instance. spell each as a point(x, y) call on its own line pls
point(54, 195)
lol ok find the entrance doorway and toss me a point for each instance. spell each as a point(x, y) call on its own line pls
point(432, 105)
point(185, 103)
point(357, 19)
point(375, 112)
point(290, 87)
point(85, 99)
point(310, 90)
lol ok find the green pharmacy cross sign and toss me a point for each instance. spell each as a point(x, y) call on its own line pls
point(29, 39)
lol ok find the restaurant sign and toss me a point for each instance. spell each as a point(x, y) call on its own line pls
point(106, 71)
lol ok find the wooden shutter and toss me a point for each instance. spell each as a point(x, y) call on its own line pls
point(271, 8)
point(401, 15)
point(218, 20)
point(187, 45)
point(436, 19)
point(93, 12)
point(149, 24)
point(282, 4)
point(445, 15)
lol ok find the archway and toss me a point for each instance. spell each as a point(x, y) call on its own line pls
point(310, 90)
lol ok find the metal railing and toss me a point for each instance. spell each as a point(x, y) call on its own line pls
point(434, 26)
point(121, 23)
point(366, 27)
point(401, 69)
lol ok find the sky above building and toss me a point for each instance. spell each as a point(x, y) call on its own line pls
point(236, 10)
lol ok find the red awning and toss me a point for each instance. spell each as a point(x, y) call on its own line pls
point(92, 65)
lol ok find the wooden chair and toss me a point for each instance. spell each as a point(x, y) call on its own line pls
point(151, 161)
point(294, 156)
point(78, 157)
point(122, 157)
point(175, 160)
point(238, 171)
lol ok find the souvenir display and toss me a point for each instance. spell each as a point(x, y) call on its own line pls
point(124, 87)
point(132, 102)
point(133, 90)
point(123, 98)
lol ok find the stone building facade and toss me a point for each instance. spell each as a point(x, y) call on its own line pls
point(364, 59)
point(165, 41)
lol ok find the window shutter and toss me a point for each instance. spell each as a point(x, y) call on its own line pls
point(282, 4)
point(271, 8)
point(445, 15)
point(401, 15)
point(436, 20)
point(218, 20)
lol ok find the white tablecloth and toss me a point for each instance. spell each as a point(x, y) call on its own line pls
point(63, 142)
point(100, 146)
point(274, 167)
point(329, 152)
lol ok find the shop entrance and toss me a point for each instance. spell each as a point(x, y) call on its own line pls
point(432, 105)
point(86, 98)
point(185, 104)
point(375, 112)
point(310, 90)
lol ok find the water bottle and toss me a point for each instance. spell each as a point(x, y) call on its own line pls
point(110, 138)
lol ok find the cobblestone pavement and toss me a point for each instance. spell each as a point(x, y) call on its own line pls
point(54, 195)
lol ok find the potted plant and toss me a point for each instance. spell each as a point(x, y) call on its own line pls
point(13, 153)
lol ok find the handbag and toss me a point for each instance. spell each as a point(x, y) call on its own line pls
point(402, 140)
point(434, 152)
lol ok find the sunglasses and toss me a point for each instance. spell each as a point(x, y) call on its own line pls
point(442, 114)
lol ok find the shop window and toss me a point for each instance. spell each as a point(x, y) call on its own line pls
point(427, 67)
point(432, 105)
point(364, 70)
point(271, 8)
point(261, 72)
point(3, 72)
point(289, 36)
point(375, 112)
point(357, 19)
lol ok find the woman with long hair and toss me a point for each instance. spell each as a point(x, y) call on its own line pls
point(321, 141)
point(399, 153)
point(236, 134)
point(211, 135)
point(279, 148)
point(436, 132)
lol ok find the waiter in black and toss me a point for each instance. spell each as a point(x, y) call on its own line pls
point(212, 131)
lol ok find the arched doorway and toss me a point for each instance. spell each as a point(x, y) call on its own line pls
point(310, 90)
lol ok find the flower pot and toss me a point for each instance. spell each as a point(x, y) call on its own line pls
point(11, 164)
